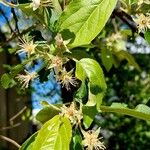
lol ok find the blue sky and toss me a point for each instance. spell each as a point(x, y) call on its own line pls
point(7, 12)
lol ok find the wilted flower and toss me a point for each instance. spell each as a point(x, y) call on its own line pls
point(72, 113)
point(25, 79)
point(143, 22)
point(60, 43)
point(66, 78)
point(27, 46)
point(91, 140)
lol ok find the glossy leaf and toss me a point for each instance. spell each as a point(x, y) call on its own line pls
point(54, 135)
point(77, 142)
point(147, 36)
point(141, 111)
point(47, 113)
point(89, 113)
point(84, 17)
point(90, 69)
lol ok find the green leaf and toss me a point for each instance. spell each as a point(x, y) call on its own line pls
point(27, 145)
point(54, 135)
point(89, 113)
point(147, 36)
point(107, 59)
point(85, 18)
point(141, 111)
point(121, 55)
point(47, 113)
point(82, 93)
point(7, 81)
point(77, 142)
point(90, 69)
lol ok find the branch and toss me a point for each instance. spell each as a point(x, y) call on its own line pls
point(17, 35)
point(10, 141)
point(17, 115)
point(16, 20)
point(128, 20)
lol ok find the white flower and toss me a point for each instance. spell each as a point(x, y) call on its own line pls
point(44, 3)
point(140, 2)
point(35, 4)
point(72, 113)
point(55, 62)
point(91, 140)
point(114, 38)
point(25, 79)
point(27, 46)
point(66, 78)
point(143, 22)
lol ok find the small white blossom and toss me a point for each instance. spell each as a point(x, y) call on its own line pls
point(55, 62)
point(143, 22)
point(113, 38)
point(91, 140)
point(35, 4)
point(66, 78)
point(25, 79)
point(140, 2)
point(27, 46)
point(72, 113)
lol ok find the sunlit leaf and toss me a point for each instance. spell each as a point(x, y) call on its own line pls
point(27, 145)
point(89, 113)
point(54, 135)
point(89, 69)
point(84, 17)
point(47, 113)
point(147, 36)
point(141, 111)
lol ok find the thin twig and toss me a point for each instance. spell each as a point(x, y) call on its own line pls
point(16, 20)
point(10, 127)
point(10, 141)
point(127, 19)
point(17, 115)
point(17, 35)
